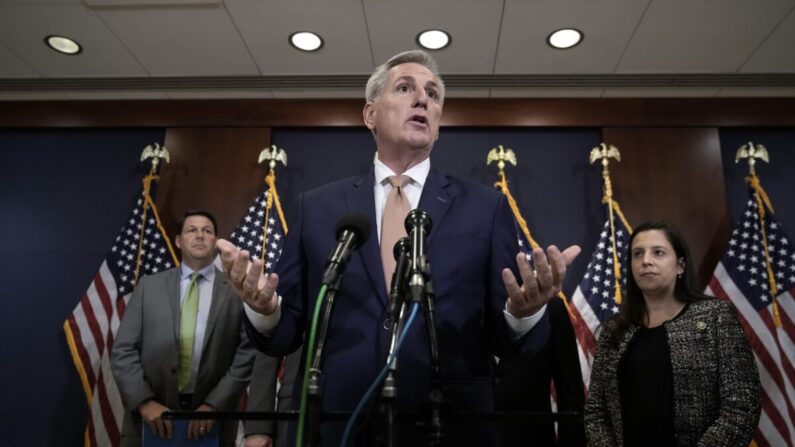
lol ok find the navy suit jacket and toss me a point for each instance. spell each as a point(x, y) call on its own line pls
point(473, 238)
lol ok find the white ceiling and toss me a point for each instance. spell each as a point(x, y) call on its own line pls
point(163, 49)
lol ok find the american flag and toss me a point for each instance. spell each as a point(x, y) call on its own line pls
point(594, 300)
point(262, 231)
point(93, 324)
point(742, 278)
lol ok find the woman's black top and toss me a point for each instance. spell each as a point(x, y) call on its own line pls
point(647, 390)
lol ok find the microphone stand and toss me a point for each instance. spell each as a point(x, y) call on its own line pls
point(315, 393)
point(397, 310)
point(422, 291)
point(351, 231)
point(389, 390)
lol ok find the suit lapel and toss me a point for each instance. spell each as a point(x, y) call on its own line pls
point(360, 198)
point(173, 287)
point(436, 200)
point(217, 303)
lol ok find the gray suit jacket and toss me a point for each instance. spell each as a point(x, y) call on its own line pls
point(145, 353)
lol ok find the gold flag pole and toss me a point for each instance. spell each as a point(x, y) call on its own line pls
point(272, 155)
point(155, 153)
point(604, 153)
point(753, 152)
point(502, 155)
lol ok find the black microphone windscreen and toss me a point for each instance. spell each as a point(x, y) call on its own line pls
point(402, 246)
point(357, 223)
point(419, 219)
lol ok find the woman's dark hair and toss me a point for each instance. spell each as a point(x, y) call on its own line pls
point(633, 306)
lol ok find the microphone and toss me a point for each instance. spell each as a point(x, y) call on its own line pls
point(352, 232)
point(418, 225)
point(402, 252)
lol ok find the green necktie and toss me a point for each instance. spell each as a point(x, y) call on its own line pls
point(187, 331)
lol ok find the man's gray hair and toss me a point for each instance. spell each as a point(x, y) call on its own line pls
point(377, 79)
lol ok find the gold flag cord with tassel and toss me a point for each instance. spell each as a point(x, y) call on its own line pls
point(149, 204)
point(753, 152)
point(762, 203)
point(271, 154)
point(604, 152)
point(502, 155)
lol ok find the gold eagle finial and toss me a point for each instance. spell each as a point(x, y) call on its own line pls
point(752, 151)
point(603, 152)
point(155, 153)
point(273, 154)
point(501, 155)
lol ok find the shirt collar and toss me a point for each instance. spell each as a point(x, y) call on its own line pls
point(208, 273)
point(418, 173)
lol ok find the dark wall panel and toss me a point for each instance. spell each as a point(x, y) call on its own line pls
point(211, 168)
point(674, 174)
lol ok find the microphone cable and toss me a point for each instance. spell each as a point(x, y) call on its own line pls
point(309, 354)
point(381, 376)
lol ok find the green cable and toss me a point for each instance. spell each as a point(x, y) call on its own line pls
point(309, 352)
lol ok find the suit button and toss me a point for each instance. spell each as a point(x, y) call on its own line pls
point(388, 324)
point(173, 370)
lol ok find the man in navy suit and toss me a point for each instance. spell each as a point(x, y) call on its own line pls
point(481, 308)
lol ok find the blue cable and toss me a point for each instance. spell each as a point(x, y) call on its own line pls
point(370, 391)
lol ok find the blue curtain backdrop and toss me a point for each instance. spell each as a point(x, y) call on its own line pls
point(64, 195)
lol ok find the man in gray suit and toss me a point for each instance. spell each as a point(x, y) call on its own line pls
point(181, 344)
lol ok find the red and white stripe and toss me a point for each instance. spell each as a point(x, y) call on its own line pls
point(90, 331)
point(586, 324)
point(774, 351)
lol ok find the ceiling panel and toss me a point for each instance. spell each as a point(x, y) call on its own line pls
point(267, 25)
point(700, 36)
point(473, 25)
point(776, 54)
point(23, 29)
point(226, 48)
point(14, 67)
point(606, 24)
point(181, 41)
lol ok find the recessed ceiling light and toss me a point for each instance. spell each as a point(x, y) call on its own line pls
point(564, 38)
point(63, 45)
point(306, 41)
point(433, 39)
